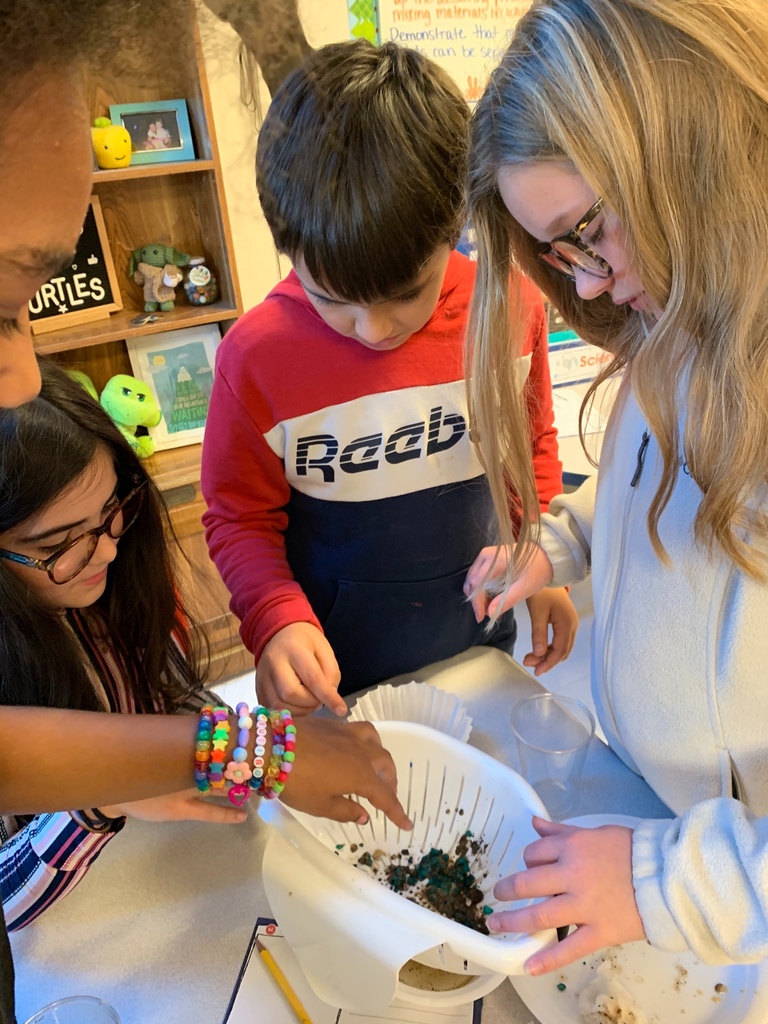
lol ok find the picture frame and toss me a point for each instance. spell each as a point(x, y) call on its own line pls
point(178, 367)
point(160, 131)
point(84, 290)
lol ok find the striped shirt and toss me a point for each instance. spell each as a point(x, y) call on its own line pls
point(50, 853)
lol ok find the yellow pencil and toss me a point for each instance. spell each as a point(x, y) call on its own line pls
point(295, 1003)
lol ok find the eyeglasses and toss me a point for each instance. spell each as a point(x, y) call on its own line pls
point(567, 253)
point(69, 561)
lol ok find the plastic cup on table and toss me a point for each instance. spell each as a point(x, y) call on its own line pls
point(553, 735)
point(76, 1010)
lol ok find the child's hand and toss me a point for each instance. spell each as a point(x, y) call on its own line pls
point(185, 806)
point(485, 596)
point(337, 758)
point(481, 591)
point(298, 670)
point(556, 608)
point(586, 875)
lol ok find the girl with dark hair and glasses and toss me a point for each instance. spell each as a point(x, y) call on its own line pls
point(90, 620)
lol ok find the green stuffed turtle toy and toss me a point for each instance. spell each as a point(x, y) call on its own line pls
point(132, 406)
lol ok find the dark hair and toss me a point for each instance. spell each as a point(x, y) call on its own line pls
point(44, 446)
point(360, 166)
point(62, 34)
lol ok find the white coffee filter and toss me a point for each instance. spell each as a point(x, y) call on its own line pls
point(416, 702)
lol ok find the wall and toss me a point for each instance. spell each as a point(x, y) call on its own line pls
point(258, 266)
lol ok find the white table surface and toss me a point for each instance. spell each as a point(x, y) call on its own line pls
point(160, 924)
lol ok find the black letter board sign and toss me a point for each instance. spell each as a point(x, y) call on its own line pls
point(84, 290)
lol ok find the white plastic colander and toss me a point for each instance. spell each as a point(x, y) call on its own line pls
point(350, 933)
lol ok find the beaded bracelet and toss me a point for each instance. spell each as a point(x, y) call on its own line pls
point(283, 753)
point(261, 717)
point(203, 748)
point(237, 772)
point(271, 773)
point(212, 742)
point(219, 744)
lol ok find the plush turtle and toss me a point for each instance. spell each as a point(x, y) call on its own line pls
point(157, 268)
point(131, 405)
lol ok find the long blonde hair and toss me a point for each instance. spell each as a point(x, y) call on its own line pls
point(662, 107)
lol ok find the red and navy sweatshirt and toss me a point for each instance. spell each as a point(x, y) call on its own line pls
point(342, 485)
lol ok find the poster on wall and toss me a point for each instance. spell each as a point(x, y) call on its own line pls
point(467, 39)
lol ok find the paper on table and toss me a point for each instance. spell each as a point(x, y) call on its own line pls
point(257, 996)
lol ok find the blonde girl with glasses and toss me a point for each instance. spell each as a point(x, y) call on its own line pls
point(620, 157)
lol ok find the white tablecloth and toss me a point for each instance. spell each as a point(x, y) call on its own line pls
point(160, 924)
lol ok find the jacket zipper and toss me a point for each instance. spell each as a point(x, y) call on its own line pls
point(640, 459)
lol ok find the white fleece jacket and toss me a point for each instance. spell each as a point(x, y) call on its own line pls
point(680, 681)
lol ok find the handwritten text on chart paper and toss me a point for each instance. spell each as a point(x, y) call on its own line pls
point(467, 39)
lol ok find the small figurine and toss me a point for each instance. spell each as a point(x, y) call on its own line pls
point(200, 284)
point(131, 405)
point(157, 268)
point(111, 144)
point(144, 318)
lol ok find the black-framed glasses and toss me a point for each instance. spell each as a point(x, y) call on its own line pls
point(567, 253)
point(70, 560)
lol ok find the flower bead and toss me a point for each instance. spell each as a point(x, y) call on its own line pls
point(238, 771)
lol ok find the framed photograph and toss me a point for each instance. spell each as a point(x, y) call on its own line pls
point(178, 366)
point(85, 289)
point(159, 131)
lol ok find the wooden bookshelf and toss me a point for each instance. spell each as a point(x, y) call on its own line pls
point(153, 170)
point(118, 327)
point(180, 204)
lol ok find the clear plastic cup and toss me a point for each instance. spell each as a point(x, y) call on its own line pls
point(76, 1010)
point(553, 734)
